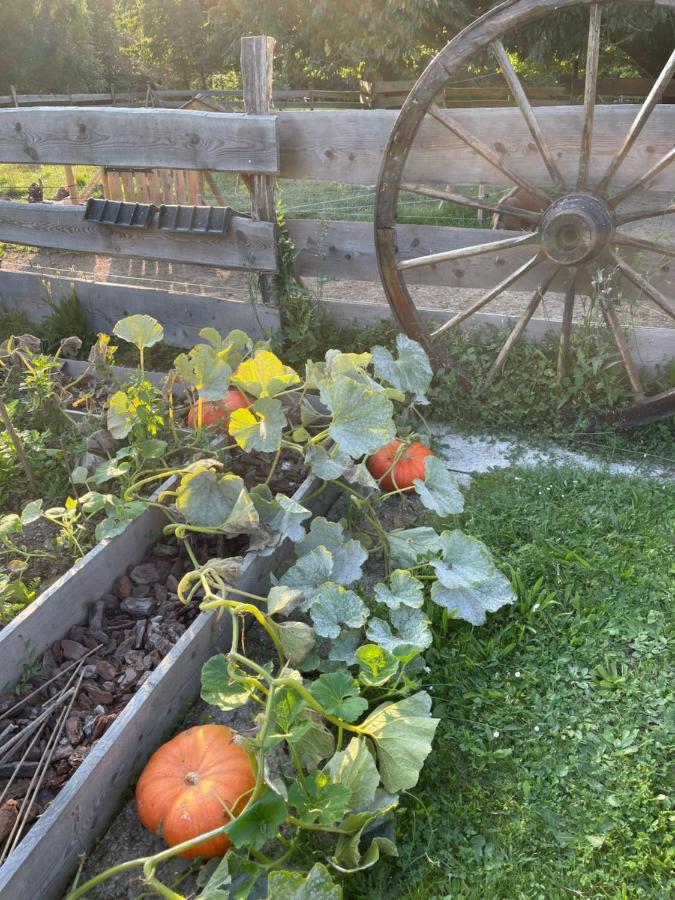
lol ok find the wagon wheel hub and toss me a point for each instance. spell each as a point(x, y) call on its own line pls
point(576, 228)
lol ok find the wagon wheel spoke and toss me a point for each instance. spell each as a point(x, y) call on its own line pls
point(628, 240)
point(653, 98)
point(643, 180)
point(648, 289)
point(483, 150)
point(638, 214)
point(520, 326)
point(523, 103)
point(460, 199)
point(484, 300)
point(612, 320)
point(590, 87)
point(465, 252)
point(565, 346)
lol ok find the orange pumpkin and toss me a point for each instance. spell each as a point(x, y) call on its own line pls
point(396, 466)
point(188, 782)
point(217, 412)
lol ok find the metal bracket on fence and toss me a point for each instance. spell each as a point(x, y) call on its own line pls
point(195, 219)
point(119, 213)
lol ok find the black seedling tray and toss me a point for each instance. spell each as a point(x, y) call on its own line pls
point(195, 219)
point(120, 214)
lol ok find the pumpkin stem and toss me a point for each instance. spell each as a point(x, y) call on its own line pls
point(192, 778)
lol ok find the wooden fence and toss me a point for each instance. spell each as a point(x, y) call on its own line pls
point(343, 146)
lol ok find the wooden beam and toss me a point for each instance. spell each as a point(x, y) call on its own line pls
point(247, 244)
point(182, 315)
point(144, 138)
point(257, 68)
point(347, 145)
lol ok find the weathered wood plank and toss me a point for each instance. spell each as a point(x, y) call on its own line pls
point(346, 251)
point(185, 139)
point(247, 244)
point(652, 346)
point(182, 315)
point(347, 146)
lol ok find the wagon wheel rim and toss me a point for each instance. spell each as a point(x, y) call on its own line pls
point(578, 226)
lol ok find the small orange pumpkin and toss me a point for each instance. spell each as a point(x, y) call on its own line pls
point(188, 782)
point(216, 413)
point(396, 466)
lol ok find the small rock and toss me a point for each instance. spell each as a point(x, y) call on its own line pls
point(108, 686)
point(129, 678)
point(62, 752)
point(106, 670)
point(74, 730)
point(89, 671)
point(161, 592)
point(146, 573)
point(97, 615)
point(97, 695)
point(90, 461)
point(134, 658)
point(156, 641)
point(98, 637)
point(57, 651)
point(142, 590)
point(139, 634)
point(163, 569)
point(101, 724)
point(90, 642)
point(101, 442)
point(111, 603)
point(172, 584)
point(138, 607)
point(124, 647)
point(174, 631)
point(165, 549)
point(123, 587)
point(72, 649)
point(77, 632)
point(99, 711)
point(144, 677)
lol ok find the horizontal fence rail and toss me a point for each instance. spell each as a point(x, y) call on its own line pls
point(247, 244)
point(157, 138)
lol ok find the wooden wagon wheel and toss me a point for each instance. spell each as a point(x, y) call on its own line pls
point(576, 226)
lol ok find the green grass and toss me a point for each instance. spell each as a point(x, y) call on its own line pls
point(549, 774)
point(15, 178)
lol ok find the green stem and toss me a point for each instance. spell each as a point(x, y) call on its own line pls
point(260, 617)
point(274, 465)
point(309, 826)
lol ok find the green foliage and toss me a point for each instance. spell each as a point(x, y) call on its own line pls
point(67, 318)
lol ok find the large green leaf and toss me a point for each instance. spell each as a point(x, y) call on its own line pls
point(281, 513)
point(141, 330)
point(348, 554)
point(297, 640)
point(317, 798)
point(410, 373)
point(343, 648)
point(309, 573)
point(402, 733)
point(407, 545)
point(411, 629)
point(327, 464)
point(316, 743)
point(359, 850)
point(472, 603)
point(264, 375)
point(120, 415)
point(205, 371)
point(466, 561)
point(282, 600)
point(403, 590)
point(259, 823)
point(260, 426)
point(208, 499)
point(317, 885)
point(231, 348)
point(362, 419)
point(339, 695)
point(218, 689)
point(439, 491)
point(377, 665)
point(354, 767)
point(332, 606)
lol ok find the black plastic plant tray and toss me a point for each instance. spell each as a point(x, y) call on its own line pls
point(195, 219)
point(119, 213)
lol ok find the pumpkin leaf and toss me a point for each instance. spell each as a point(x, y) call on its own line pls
point(258, 823)
point(264, 375)
point(316, 885)
point(309, 572)
point(217, 689)
point(318, 799)
point(10, 524)
point(339, 695)
point(232, 878)
point(403, 590)
point(354, 767)
point(376, 665)
point(472, 603)
point(207, 499)
point(282, 600)
point(297, 641)
point(327, 464)
point(283, 514)
point(31, 512)
point(205, 371)
point(410, 373)
point(343, 648)
point(439, 490)
point(316, 743)
point(402, 733)
point(348, 554)
point(120, 415)
point(350, 855)
point(229, 348)
point(412, 629)
point(332, 605)
point(141, 330)
point(362, 418)
point(407, 545)
point(151, 448)
point(260, 426)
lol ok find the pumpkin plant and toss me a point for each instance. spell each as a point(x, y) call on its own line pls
point(343, 721)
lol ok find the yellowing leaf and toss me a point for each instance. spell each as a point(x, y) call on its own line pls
point(264, 375)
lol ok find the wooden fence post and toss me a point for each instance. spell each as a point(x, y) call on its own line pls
point(257, 69)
